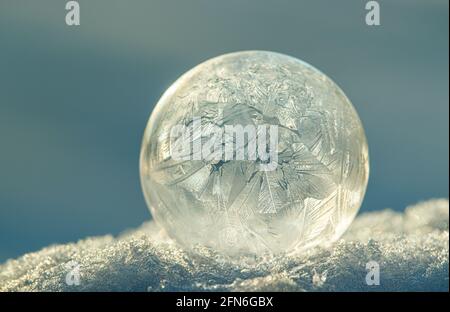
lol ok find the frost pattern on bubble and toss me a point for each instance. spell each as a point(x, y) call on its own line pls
point(322, 167)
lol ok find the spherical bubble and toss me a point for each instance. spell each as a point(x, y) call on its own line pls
point(254, 152)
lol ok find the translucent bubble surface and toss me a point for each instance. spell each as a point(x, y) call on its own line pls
point(254, 152)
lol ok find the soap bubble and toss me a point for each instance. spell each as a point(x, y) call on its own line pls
point(254, 152)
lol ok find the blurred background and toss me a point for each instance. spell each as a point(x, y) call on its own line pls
point(74, 101)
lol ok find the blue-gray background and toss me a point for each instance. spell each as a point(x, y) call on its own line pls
point(74, 101)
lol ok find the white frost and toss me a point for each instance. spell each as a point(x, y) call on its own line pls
point(411, 248)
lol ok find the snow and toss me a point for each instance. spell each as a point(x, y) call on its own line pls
point(411, 248)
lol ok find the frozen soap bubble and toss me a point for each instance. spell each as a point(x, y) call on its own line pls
point(254, 152)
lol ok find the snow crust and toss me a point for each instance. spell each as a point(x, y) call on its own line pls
point(411, 248)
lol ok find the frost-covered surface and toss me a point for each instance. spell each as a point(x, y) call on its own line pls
point(412, 249)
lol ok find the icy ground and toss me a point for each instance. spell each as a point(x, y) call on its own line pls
point(411, 248)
